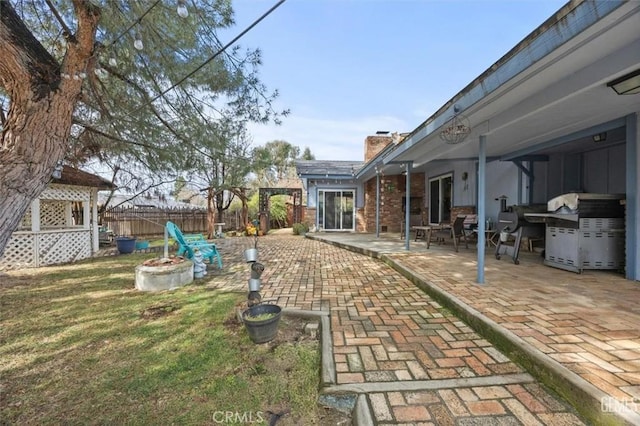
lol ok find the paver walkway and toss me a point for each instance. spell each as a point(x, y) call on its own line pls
point(415, 362)
point(584, 326)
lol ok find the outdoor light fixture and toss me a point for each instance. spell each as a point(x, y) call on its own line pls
point(138, 44)
point(627, 84)
point(182, 9)
point(600, 137)
point(455, 129)
point(57, 171)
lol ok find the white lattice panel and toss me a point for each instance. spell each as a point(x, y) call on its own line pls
point(52, 213)
point(53, 247)
point(64, 247)
point(66, 192)
point(19, 253)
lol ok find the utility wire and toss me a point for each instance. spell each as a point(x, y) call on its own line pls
point(134, 23)
point(215, 55)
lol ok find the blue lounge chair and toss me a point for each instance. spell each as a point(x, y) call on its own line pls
point(188, 243)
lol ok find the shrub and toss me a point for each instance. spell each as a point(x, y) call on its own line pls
point(300, 228)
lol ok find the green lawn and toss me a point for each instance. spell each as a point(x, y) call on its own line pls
point(79, 345)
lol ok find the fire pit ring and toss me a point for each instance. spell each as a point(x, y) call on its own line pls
point(164, 277)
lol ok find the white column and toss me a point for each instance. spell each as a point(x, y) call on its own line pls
point(35, 228)
point(94, 220)
point(35, 215)
point(68, 216)
point(86, 214)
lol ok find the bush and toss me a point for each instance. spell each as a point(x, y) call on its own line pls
point(300, 228)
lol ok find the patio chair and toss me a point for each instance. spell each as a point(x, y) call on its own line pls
point(454, 232)
point(414, 220)
point(188, 243)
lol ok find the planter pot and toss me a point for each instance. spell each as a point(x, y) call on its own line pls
point(142, 245)
point(264, 330)
point(251, 255)
point(126, 245)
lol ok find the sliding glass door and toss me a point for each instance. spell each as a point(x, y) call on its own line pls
point(336, 210)
point(440, 198)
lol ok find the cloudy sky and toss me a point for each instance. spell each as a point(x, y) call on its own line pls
point(348, 68)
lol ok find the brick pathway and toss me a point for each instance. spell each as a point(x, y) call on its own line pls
point(415, 362)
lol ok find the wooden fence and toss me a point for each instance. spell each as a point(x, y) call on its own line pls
point(150, 221)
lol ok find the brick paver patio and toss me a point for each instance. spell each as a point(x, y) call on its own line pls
point(414, 360)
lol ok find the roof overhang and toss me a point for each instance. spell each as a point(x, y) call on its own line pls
point(552, 85)
point(77, 177)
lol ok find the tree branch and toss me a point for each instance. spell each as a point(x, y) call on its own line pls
point(24, 58)
point(67, 32)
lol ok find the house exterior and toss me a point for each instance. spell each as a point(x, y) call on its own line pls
point(559, 113)
point(61, 225)
point(335, 200)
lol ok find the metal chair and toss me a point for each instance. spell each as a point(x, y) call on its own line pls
point(454, 232)
point(414, 220)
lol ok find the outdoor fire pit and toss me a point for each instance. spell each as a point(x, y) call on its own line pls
point(164, 274)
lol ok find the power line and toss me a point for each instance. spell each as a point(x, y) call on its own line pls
point(134, 23)
point(212, 57)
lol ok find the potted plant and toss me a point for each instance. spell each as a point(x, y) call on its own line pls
point(261, 322)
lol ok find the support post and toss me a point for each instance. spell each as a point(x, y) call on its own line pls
point(482, 166)
point(35, 215)
point(407, 205)
point(94, 220)
point(632, 228)
point(377, 204)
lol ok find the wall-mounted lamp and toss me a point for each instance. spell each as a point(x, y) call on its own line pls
point(600, 137)
point(628, 84)
point(57, 171)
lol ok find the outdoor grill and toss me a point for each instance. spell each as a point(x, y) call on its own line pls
point(512, 222)
point(583, 231)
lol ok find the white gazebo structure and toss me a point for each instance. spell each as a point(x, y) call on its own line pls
point(61, 225)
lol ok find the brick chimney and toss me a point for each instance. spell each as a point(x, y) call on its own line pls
point(374, 144)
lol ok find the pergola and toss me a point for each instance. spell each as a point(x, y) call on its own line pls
point(263, 204)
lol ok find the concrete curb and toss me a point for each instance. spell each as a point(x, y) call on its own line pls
point(328, 373)
point(361, 415)
point(582, 395)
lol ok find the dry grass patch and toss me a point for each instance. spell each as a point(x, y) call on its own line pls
point(79, 345)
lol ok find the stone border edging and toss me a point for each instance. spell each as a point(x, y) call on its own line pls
point(328, 372)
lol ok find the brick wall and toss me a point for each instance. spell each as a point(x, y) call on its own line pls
point(360, 220)
point(392, 189)
point(461, 210)
point(310, 216)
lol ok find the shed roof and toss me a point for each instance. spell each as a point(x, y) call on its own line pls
point(77, 177)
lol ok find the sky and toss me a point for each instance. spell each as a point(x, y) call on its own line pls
point(349, 68)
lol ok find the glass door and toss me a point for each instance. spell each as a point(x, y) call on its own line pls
point(336, 210)
point(440, 198)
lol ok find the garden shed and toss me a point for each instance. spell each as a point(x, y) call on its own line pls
point(61, 224)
